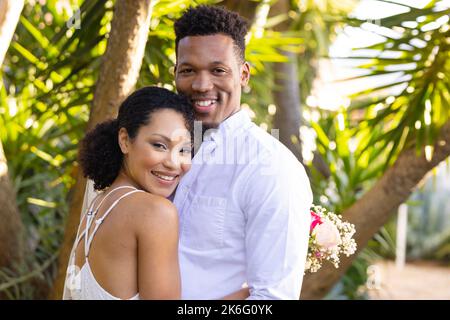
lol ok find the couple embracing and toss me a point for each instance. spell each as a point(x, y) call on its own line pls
point(228, 221)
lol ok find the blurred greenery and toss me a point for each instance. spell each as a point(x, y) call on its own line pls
point(361, 141)
point(429, 218)
point(49, 76)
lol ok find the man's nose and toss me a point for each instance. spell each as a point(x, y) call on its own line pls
point(202, 82)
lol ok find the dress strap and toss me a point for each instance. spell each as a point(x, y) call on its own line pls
point(91, 212)
point(98, 222)
point(80, 236)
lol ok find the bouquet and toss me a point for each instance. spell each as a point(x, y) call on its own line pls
point(329, 237)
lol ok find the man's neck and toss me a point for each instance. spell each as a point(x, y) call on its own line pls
point(206, 127)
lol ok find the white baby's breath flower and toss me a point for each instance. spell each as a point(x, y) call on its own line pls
point(329, 238)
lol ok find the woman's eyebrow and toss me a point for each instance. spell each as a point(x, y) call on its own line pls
point(161, 136)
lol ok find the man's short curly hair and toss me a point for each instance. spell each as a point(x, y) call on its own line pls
point(207, 20)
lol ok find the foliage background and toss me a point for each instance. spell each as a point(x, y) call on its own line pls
point(49, 75)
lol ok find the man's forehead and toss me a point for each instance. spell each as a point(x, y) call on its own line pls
point(212, 40)
point(217, 47)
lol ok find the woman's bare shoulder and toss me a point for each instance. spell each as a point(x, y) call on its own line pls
point(152, 211)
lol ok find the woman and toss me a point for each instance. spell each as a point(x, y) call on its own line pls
point(127, 242)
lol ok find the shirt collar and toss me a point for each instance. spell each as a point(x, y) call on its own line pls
point(230, 126)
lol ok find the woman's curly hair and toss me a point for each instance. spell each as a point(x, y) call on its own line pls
point(100, 156)
point(207, 20)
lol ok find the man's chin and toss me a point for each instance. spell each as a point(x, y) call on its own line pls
point(207, 121)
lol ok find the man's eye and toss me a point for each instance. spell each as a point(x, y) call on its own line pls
point(219, 70)
point(184, 71)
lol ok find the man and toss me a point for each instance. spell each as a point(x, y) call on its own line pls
point(244, 206)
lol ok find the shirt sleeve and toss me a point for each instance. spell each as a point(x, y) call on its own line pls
point(277, 204)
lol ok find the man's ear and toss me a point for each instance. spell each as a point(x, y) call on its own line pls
point(124, 140)
point(245, 73)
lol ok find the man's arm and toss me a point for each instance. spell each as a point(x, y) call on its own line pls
point(277, 231)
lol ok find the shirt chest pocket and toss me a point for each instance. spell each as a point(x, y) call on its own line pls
point(204, 226)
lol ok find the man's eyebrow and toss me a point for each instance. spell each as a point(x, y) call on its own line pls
point(184, 64)
point(212, 63)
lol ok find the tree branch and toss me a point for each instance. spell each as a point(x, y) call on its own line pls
point(373, 210)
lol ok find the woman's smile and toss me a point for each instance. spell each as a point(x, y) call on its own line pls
point(166, 179)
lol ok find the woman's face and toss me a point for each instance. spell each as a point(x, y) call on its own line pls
point(159, 155)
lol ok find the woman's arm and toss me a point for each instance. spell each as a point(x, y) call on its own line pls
point(157, 237)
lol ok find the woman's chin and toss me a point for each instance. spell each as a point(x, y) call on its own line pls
point(162, 192)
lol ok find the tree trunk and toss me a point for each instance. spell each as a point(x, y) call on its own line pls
point(11, 228)
point(118, 75)
point(373, 210)
point(288, 118)
point(246, 9)
point(9, 16)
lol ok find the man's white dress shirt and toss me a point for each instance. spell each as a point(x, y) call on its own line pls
point(244, 215)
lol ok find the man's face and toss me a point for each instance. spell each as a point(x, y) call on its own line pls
point(210, 74)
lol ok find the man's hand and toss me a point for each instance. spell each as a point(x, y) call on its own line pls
point(242, 294)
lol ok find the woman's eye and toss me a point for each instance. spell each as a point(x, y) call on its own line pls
point(159, 146)
point(186, 150)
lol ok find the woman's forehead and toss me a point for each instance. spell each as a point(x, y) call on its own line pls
point(166, 123)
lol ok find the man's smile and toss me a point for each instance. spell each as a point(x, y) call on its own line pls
point(204, 105)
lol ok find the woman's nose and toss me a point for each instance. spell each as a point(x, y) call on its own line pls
point(172, 161)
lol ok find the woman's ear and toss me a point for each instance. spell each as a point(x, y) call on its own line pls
point(123, 140)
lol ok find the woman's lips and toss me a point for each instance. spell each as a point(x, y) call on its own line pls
point(165, 179)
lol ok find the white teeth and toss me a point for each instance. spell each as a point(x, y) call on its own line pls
point(204, 103)
point(167, 178)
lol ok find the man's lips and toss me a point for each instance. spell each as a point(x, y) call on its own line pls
point(204, 105)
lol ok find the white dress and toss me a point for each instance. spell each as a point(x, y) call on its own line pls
point(80, 284)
